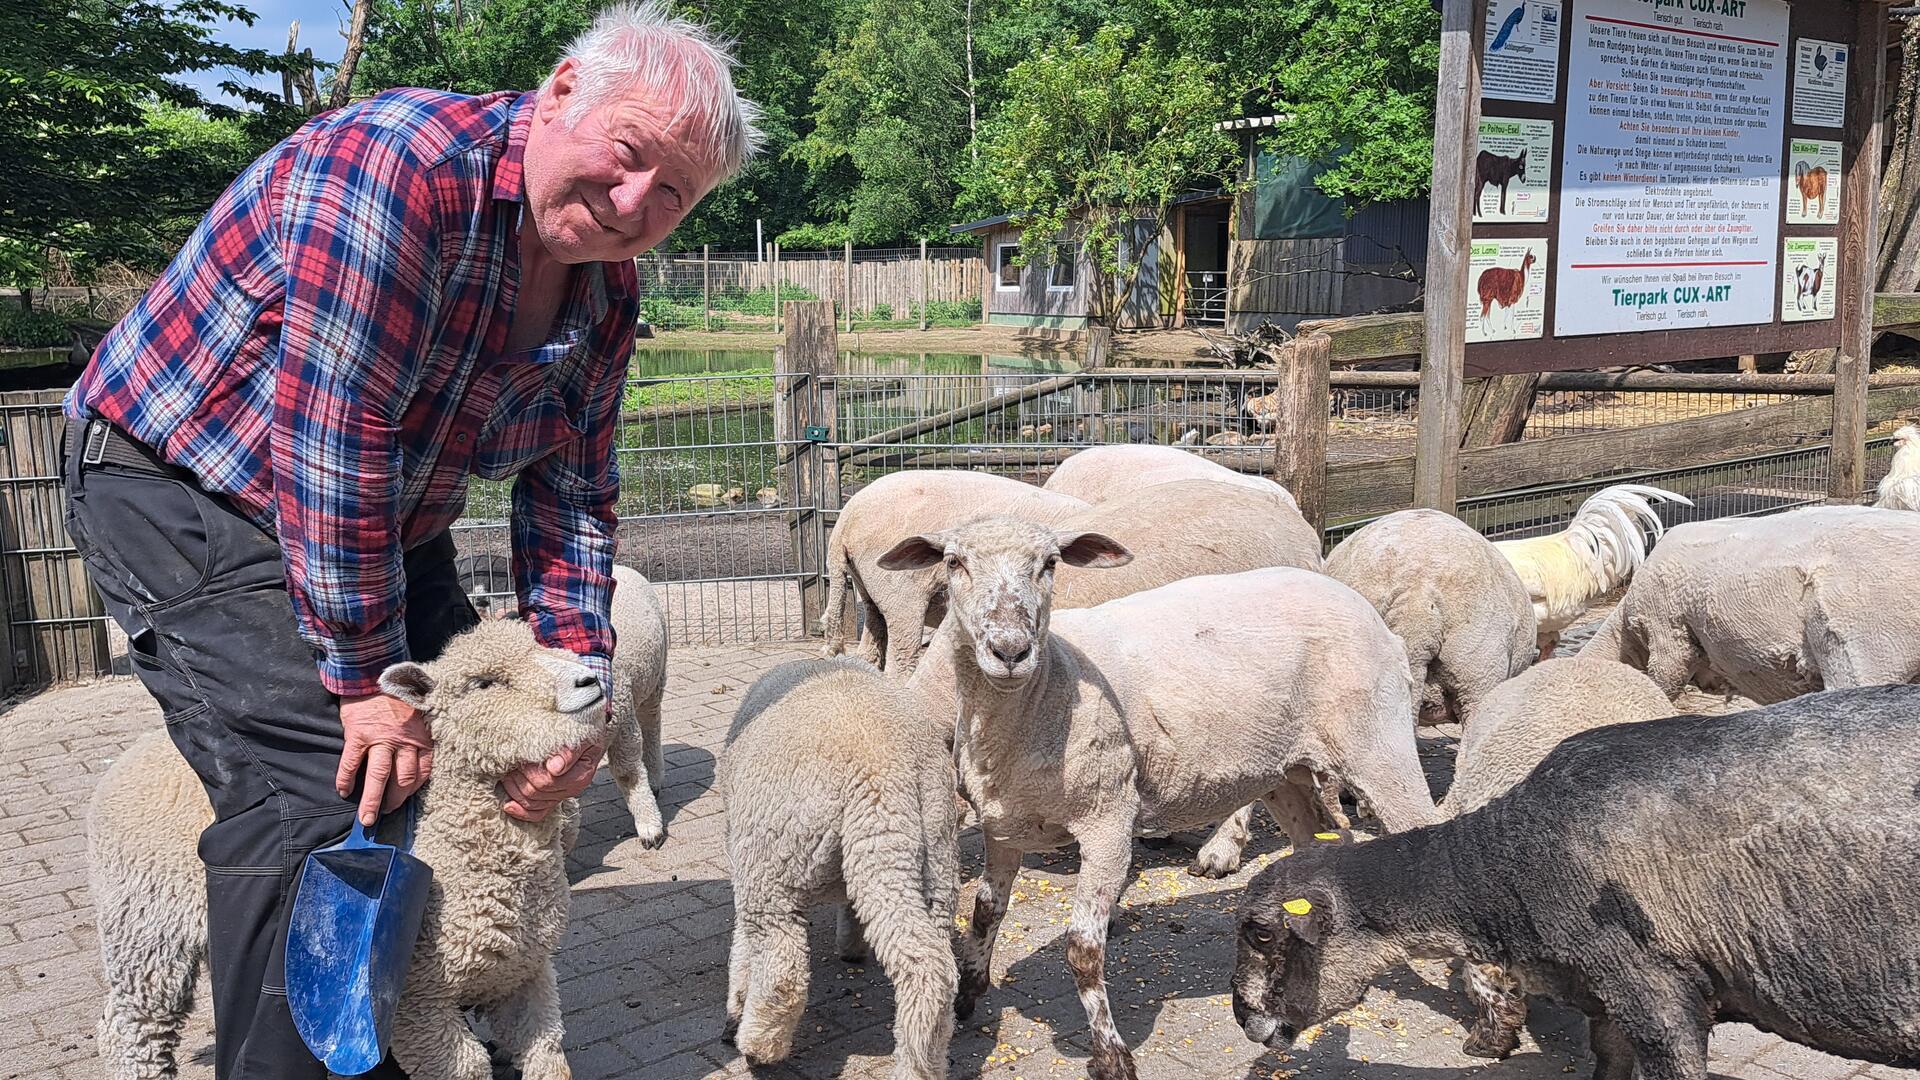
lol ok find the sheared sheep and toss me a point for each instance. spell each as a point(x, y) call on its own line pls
point(1100, 473)
point(1159, 711)
point(1463, 613)
point(494, 700)
point(635, 755)
point(898, 504)
point(869, 819)
point(1659, 876)
point(1565, 572)
point(1900, 488)
point(1774, 607)
point(1517, 725)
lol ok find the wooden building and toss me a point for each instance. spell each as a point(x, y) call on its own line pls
point(1279, 251)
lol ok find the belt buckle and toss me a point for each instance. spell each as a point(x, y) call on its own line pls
point(94, 450)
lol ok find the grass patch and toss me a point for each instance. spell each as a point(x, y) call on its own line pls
point(733, 387)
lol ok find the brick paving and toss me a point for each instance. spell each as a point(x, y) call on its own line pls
point(643, 971)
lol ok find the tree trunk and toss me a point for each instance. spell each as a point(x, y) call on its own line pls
point(973, 94)
point(293, 50)
point(356, 37)
point(1899, 269)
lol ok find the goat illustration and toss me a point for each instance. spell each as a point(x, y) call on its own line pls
point(1806, 284)
point(1492, 168)
point(1503, 286)
point(1812, 182)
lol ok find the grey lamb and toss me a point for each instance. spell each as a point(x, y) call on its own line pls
point(1761, 867)
point(838, 789)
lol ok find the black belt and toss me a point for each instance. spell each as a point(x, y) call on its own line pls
point(100, 443)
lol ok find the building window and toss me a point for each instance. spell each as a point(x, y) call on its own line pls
point(1060, 274)
point(1009, 279)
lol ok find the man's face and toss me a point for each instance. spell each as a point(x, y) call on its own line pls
point(616, 183)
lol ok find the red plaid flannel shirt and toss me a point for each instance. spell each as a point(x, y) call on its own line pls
point(329, 350)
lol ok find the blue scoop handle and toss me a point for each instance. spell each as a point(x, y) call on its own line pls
point(362, 836)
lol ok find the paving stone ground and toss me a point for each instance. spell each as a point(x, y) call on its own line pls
point(643, 970)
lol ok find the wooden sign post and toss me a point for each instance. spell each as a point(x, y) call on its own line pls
point(1629, 182)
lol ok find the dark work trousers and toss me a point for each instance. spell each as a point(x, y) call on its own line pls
point(202, 595)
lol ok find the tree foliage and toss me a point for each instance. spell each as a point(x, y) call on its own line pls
point(1099, 134)
point(106, 153)
point(469, 46)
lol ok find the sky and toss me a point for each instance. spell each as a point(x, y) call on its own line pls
point(323, 25)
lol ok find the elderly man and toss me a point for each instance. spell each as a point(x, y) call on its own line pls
point(267, 452)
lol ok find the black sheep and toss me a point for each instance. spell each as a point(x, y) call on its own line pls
point(1762, 867)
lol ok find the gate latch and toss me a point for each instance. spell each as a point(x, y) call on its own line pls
point(817, 433)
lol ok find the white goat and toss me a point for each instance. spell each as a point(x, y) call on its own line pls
point(1900, 488)
point(1164, 710)
point(1596, 553)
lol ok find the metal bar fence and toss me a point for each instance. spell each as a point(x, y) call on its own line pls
point(707, 509)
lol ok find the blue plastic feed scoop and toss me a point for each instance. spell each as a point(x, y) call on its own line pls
point(351, 936)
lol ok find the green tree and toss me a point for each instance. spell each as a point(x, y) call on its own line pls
point(470, 46)
point(1095, 142)
point(81, 81)
point(893, 119)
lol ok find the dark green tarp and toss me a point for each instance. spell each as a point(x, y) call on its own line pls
point(1287, 205)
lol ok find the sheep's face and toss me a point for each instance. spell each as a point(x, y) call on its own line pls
point(999, 583)
point(496, 699)
point(1302, 957)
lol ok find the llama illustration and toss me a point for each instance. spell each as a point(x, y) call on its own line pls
point(1503, 286)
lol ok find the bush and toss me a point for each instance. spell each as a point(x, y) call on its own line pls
point(757, 301)
point(950, 312)
point(23, 329)
point(664, 313)
point(881, 313)
point(802, 237)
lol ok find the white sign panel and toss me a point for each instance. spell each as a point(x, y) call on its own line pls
point(1810, 281)
point(1521, 61)
point(1509, 298)
point(1820, 83)
point(1813, 182)
point(1670, 191)
point(1513, 169)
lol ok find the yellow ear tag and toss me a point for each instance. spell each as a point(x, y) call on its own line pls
point(1297, 907)
point(1326, 836)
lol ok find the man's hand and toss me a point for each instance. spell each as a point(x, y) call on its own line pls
point(534, 790)
point(392, 739)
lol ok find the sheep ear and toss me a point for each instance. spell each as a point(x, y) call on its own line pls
point(1306, 918)
point(408, 682)
point(914, 553)
point(1093, 550)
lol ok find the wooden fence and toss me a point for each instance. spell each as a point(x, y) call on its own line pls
point(53, 628)
point(895, 282)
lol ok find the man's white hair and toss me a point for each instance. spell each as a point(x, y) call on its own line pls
point(644, 44)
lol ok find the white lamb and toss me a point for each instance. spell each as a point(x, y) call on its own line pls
point(494, 700)
point(838, 790)
point(1161, 711)
point(1100, 473)
point(635, 755)
point(1774, 607)
point(1450, 595)
point(1900, 488)
point(896, 505)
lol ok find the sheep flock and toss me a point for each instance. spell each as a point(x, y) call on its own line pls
point(1153, 643)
